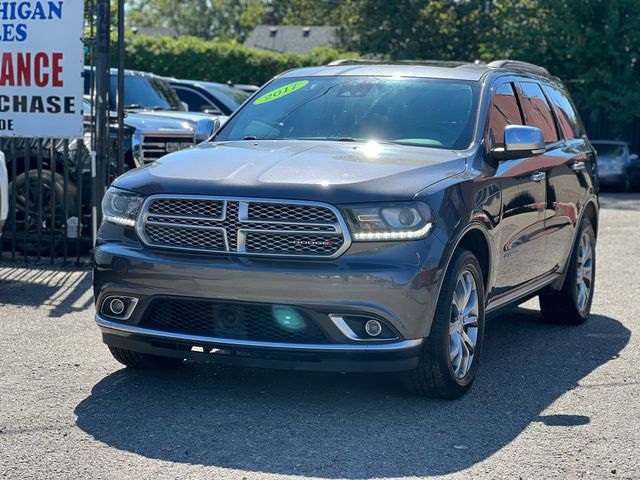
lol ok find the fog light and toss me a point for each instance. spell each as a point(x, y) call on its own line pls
point(288, 318)
point(120, 307)
point(117, 306)
point(373, 328)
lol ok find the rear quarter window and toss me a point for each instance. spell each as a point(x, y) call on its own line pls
point(568, 119)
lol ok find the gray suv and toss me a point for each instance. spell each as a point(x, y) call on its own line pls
point(356, 217)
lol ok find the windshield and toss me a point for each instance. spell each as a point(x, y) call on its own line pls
point(425, 112)
point(145, 93)
point(610, 150)
point(231, 97)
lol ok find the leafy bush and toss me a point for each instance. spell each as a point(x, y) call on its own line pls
point(214, 61)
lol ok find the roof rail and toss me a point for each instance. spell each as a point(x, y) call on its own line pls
point(518, 65)
point(426, 63)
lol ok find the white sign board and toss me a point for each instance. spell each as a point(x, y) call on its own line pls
point(41, 64)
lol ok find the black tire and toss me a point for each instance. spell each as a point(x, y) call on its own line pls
point(435, 377)
point(566, 305)
point(49, 219)
point(144, 361)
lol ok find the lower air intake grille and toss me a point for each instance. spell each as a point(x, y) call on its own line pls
point(234, 321)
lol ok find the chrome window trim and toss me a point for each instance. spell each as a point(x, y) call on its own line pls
point(341, 226)
point(107, 325)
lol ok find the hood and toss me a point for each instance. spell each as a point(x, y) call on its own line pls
point(334, 172)
point(158, 123)
point(198, 125)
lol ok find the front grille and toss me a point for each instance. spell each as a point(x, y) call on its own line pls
point(231, 320)
point(154, 147)
point(242, 226)
point(288, 212)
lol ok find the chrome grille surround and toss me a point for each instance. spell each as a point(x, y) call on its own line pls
point(243, 226)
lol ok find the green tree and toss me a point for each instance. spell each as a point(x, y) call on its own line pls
point(223, 19)
point(416, 29)
point(310, 12)
point(593, 45)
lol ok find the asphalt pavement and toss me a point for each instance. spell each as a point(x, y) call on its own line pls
point(550, 401)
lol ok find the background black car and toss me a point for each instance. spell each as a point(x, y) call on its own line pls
point(207, 97)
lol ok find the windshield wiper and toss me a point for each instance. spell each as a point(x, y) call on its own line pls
point(345, 139)
point(250, 137)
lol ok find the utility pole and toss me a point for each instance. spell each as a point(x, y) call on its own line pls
point(121, 102)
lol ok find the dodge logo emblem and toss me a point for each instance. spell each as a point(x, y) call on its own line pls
point(317, 243)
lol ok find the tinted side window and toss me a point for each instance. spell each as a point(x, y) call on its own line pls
point(504, 111)
point(537, 111)
point(566, 114)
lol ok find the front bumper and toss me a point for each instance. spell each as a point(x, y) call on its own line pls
point(398, 356)
point(395, 282)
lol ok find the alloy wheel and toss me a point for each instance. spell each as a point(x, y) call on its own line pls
point(584, 272)
point(463, 326)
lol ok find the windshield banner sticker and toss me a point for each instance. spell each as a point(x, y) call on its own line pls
point(281, 92)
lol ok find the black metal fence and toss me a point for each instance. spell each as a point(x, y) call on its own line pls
point(56, 185)
point(50, 188)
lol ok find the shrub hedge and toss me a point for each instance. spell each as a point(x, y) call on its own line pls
point(214, 61)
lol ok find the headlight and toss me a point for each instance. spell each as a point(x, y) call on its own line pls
point(384, 222)
point(121, 207)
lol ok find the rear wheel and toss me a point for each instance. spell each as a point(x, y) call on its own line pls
point(450, 356)
point(572, 304)
point(143, 361)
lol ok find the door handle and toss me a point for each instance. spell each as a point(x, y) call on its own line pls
point(577, 166)
point(538, 176)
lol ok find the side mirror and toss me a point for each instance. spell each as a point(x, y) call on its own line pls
point(185, 106)
point(633, 157)
point(216, 125)
point(519, 142)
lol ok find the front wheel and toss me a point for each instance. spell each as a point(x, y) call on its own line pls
point(450, 356)
point(572, 304)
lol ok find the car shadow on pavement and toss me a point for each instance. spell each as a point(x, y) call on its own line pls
point(351, 426)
